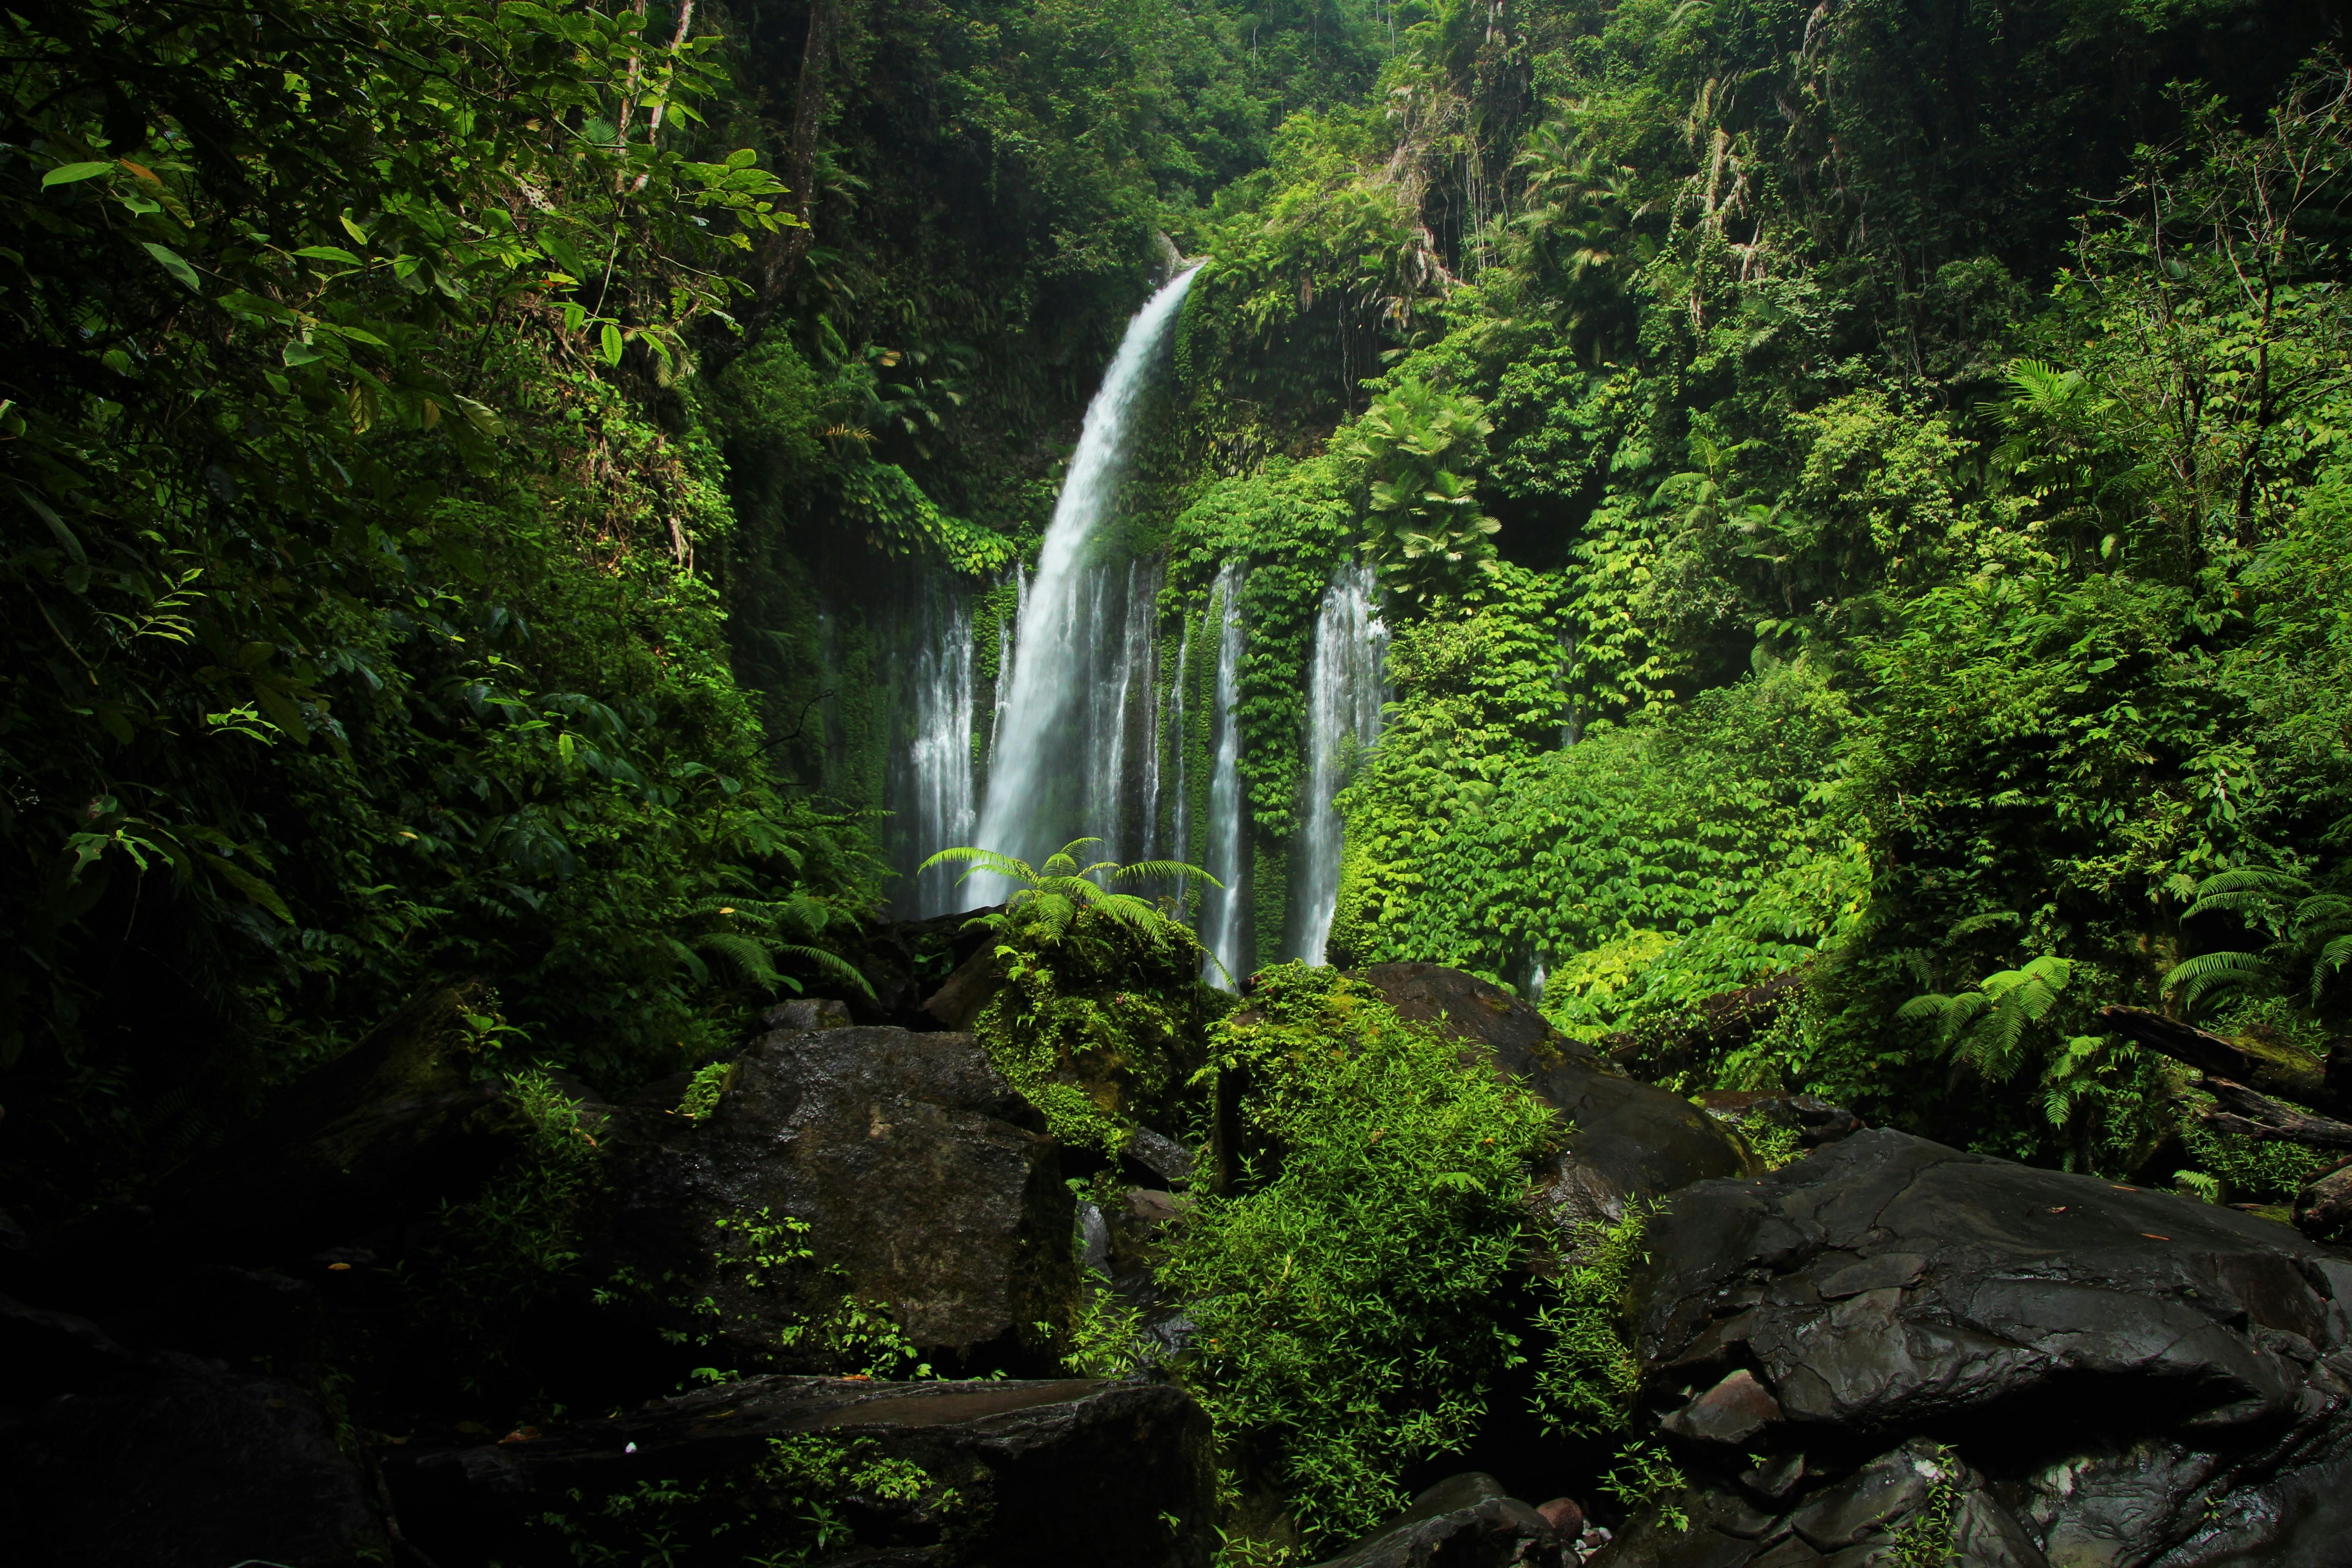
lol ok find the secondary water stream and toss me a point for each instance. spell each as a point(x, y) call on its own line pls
point(1343, 721)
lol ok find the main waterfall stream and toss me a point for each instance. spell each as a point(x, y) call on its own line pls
point(1095, 715)
point(1059, 770)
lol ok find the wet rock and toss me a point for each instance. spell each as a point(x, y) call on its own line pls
point(1759, 1114)
point(1916, 1503)
point(2130, 1373)
point(1160, 1154)
point(808, 1013)
point(1885, 1280)
point(945, 1475)
point(1732, 1412)
point(110, 1455)
point(1631, 1141)
point(967, 989)
point(905, 962)
point(2323, 1208)
point(1565, 1517)
point(1466, 1520)
point(902, 1165)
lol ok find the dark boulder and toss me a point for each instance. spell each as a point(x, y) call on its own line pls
point(1465, 1521)
point(895, 1168)
point(406, 1121)
point(1764, 1116)
point(2323, 1208)
point(111, 1456)
point(945, 1475)
point(1916, 1503)
point(2132, 1373)
point(1631, 1141)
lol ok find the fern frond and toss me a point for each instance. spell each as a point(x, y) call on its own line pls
point(2332, 959)
point(1167, 869)
point(833, 963)
point(981, 860)
point(751, 958)
point(1983, 921)
point(2247, 888)
point(2192, 978)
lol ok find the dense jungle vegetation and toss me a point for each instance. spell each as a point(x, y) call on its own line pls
point(1861, 492)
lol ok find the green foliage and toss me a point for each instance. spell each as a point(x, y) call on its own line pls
point(358, 639)
point(1589, 1373)
point(1099, 1000)
point(1105, 1334)
point(796, 1505)
point(1427, 533)
point(1347, 1287)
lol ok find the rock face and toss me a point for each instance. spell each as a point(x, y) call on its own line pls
point(2124, 1377)
point(110, 1455)
point(1465, 1521)
point(944, 1475)
point(1759, 1114)
point(924, 1184)
point(1632, 1141)
point(2322, 1209)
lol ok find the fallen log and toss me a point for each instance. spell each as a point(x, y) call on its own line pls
point(2279, 1070)
point(2252, 1115)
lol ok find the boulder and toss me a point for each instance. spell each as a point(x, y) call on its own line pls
point(1916, 1503)
point(1766, 1116)
point(2121, 1374)
point(384, 1134)
point(944, 1475)
point(895, 1168)
point(2322, 1207)
point(1630, 1143)
point(111, 1456)
point(1465, 1521)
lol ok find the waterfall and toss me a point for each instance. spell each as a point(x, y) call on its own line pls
point(1344, 719)
point(1063, 732)
point(1223, 909)
point(932, 793)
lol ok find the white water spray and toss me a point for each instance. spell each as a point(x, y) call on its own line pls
point(1343, 721)
point(1223, 908)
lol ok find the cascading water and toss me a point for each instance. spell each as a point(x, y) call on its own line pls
point(1061, 736)
point(932, 796)
point(1344, 719)
point(1223, 908)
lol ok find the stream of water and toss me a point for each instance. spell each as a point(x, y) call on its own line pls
point(1343, 721)
point(1064, 737)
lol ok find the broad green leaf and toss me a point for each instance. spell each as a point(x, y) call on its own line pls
point(612, 343)
point(173, 263)
point(74, 173)
point(329, 253)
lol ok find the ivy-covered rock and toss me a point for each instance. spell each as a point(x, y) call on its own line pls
point(844, 1199)
point(2136, 1373)
point(943, 1475)
point(1628, 1142)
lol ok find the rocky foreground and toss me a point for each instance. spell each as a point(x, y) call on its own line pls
point(1884, 1352)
